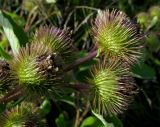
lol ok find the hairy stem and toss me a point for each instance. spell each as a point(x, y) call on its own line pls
point(81, 60)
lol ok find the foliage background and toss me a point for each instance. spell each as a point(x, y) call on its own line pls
point(78, 15)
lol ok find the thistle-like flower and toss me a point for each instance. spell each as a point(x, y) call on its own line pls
point(23, 115)
point(34, 69)
point(117, 35)
point(111, 88)
point(58, 40)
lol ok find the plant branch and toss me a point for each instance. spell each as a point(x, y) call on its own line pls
point(12, 95)
point(17, 92)
point(81, 60)
point(80, 116)
point(84, 112)
point(78, 86)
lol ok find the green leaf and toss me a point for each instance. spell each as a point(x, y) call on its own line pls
point(143, 71)
point(84, 69)
point(4, 54)
point(60, 121)
point(87, 65)
point(2, 108)
point(153, 42)
point(92, 121)
point(51, 1)
point(100, 117)
point(82, 54)
point(4, 41)
point(14, 33)
point(81, 75)
point(154, 21)
point(115, 120)
point(99, 52)
point(67, 99)
point(45, 107)
point(19, 20)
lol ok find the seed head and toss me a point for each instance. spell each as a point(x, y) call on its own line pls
point(117, 35)
point(111, 87)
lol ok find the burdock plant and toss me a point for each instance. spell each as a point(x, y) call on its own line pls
point(39, 69)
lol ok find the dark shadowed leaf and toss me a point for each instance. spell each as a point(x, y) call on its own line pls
point(143, 71)
point(45, 107)
point(2, 108)
point(60, 121)
point(115, 120)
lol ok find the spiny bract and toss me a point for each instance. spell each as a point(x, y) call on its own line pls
point(117, 35)
point(111, 87)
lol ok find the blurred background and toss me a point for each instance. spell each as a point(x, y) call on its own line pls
point(78, 15)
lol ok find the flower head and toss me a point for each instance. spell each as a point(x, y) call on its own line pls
point(23, 115)
point(58, 40)
point(35, 70)
point(117, 35)
point(111, 87)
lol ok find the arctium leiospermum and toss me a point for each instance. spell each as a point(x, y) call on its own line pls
point(59, 42)
point(23, 115)
point(117, 35)
point(111, 88)
point(33, 68)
